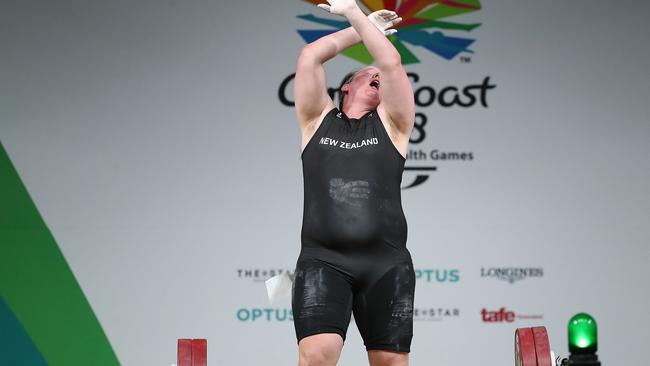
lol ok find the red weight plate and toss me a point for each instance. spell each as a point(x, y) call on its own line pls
point(542, 346)
point(184, 352)
point(525, 347)
point(199, 352)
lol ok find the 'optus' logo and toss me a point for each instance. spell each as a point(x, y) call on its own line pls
point(423, 24)
point(264, 314)
point(437, 275)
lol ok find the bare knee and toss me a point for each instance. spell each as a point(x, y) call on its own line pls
point(320, 350)
point(388, 358)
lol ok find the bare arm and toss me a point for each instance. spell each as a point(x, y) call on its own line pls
point(396, 91)
point(310, 88)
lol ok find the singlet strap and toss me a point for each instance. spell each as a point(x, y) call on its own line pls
point(322, 127)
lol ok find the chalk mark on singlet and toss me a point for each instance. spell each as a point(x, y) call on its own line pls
point(352, 193)
point(402, 307)
point(315, 293)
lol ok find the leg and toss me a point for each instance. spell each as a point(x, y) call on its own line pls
point(383, 312)
point(322, 349)
point(387, 358)
point(322, 305)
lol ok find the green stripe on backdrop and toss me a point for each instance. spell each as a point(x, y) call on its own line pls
point(38, 285)
point(16, 348)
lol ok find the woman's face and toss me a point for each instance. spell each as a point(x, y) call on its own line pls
point(364, 86)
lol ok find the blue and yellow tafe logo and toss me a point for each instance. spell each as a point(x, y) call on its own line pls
point(424, 24)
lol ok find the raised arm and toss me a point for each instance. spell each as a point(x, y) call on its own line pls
point(310, 88)
point(395, 91)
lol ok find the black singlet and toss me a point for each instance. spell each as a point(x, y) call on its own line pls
point(353, 255)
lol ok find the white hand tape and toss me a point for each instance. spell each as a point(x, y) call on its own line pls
point(278, 287)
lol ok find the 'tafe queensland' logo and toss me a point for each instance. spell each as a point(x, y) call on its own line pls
point(424, 24)
point(504, 315)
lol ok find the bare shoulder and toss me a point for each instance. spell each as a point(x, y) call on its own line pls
point(399, 134)
point(306, 124)
point(397, 128)
point(309, 128)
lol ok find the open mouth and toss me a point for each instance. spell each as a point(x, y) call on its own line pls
point(375, 84)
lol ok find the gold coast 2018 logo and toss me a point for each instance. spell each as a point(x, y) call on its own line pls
point(424, 24)
point(428, 27)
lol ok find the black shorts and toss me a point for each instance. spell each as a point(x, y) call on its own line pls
point(379, 293)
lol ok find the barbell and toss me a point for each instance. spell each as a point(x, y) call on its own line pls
point(532, 347)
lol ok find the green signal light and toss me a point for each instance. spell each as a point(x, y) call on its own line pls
point(583, 334)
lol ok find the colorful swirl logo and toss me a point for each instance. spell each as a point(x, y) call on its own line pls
point(423, 24)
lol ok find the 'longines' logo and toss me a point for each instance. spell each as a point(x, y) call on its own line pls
point(424, 24)
point(512, 274)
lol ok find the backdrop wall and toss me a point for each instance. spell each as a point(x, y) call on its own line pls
point(156, 145)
